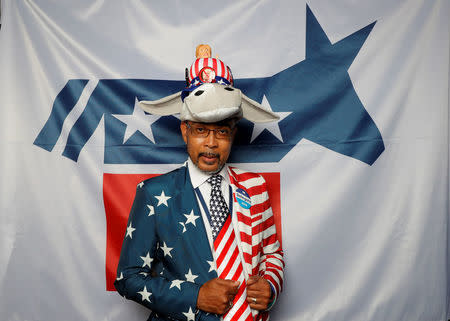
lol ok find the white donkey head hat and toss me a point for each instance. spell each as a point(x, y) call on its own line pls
point(210, 96)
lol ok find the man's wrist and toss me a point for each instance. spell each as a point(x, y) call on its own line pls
point(272, 296)
point(272, 292)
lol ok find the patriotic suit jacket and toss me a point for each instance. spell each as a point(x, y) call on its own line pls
point(166, 255)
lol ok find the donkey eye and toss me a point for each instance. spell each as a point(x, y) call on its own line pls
point(229, 88)
point(198, 92)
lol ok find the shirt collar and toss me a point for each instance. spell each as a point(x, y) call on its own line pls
point(198, 177)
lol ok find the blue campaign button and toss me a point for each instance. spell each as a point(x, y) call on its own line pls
point(243, 198)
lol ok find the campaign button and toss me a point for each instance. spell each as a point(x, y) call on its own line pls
point(243, 198)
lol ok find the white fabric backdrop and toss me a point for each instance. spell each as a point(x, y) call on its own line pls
point(361, 242)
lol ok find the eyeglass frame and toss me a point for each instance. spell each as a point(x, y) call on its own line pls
point(190, 127)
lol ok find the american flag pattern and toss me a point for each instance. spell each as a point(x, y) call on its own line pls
point(228, 262)
point(218, 65)
point(257, 236)
point(166, 255)
point(229, 267)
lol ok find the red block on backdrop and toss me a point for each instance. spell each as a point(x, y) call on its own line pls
point(118, 195)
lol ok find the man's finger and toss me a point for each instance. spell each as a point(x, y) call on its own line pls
point(228, 283)
point(253, 293)
point(253, 279)
point(223, 281)
point(258, 303)
point(257, 306)
point(233, 288)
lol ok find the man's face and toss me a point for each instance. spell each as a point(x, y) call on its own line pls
point(208, 153)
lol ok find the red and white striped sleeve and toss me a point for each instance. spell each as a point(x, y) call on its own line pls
point(271, 265)
point(266, 255)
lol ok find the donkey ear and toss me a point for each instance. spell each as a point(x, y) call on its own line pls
point(255, 112)
point(168, 105)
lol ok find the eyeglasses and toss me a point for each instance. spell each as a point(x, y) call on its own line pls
point(203, 132)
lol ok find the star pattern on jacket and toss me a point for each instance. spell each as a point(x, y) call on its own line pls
point(190, 316)
point(151, 210)
point(145, 294)
point(162, 199)
point(176, 283)
point(190, 277)
point(147, 260)
point(191, 217)
point(212, 266)
point(166, 249)
point(130, 230)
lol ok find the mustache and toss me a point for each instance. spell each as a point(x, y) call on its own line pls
point(208, 154)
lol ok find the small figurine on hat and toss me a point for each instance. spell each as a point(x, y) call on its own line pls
point(210, 96)
point(203, 51)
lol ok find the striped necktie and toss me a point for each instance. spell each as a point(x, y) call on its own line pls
point(229, 265)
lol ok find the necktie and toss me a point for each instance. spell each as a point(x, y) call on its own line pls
point(229, 265)
point(217, 205)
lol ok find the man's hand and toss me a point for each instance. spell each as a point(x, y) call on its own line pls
point(258, 292)
point(216, 295)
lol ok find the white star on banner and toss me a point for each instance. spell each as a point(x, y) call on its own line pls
point(212, 266)
point(162, 199)
point(190, 316)
point(130, 230)
point(190, 277)
point(176, 283)
point(191, 218)
point(151, 210)
point(120, 277)
point(166, 249)
point(147, 260)
point(141, 184)
point(184, 226)
point(145, 294)
point(143, 273)
point(273, 127)
point(138, 121)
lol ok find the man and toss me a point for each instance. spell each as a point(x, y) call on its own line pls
point(201, 242)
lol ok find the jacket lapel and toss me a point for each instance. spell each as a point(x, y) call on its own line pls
point(197, 242)
point(241, 219)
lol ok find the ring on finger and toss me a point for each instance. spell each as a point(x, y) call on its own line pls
point(254, 300)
